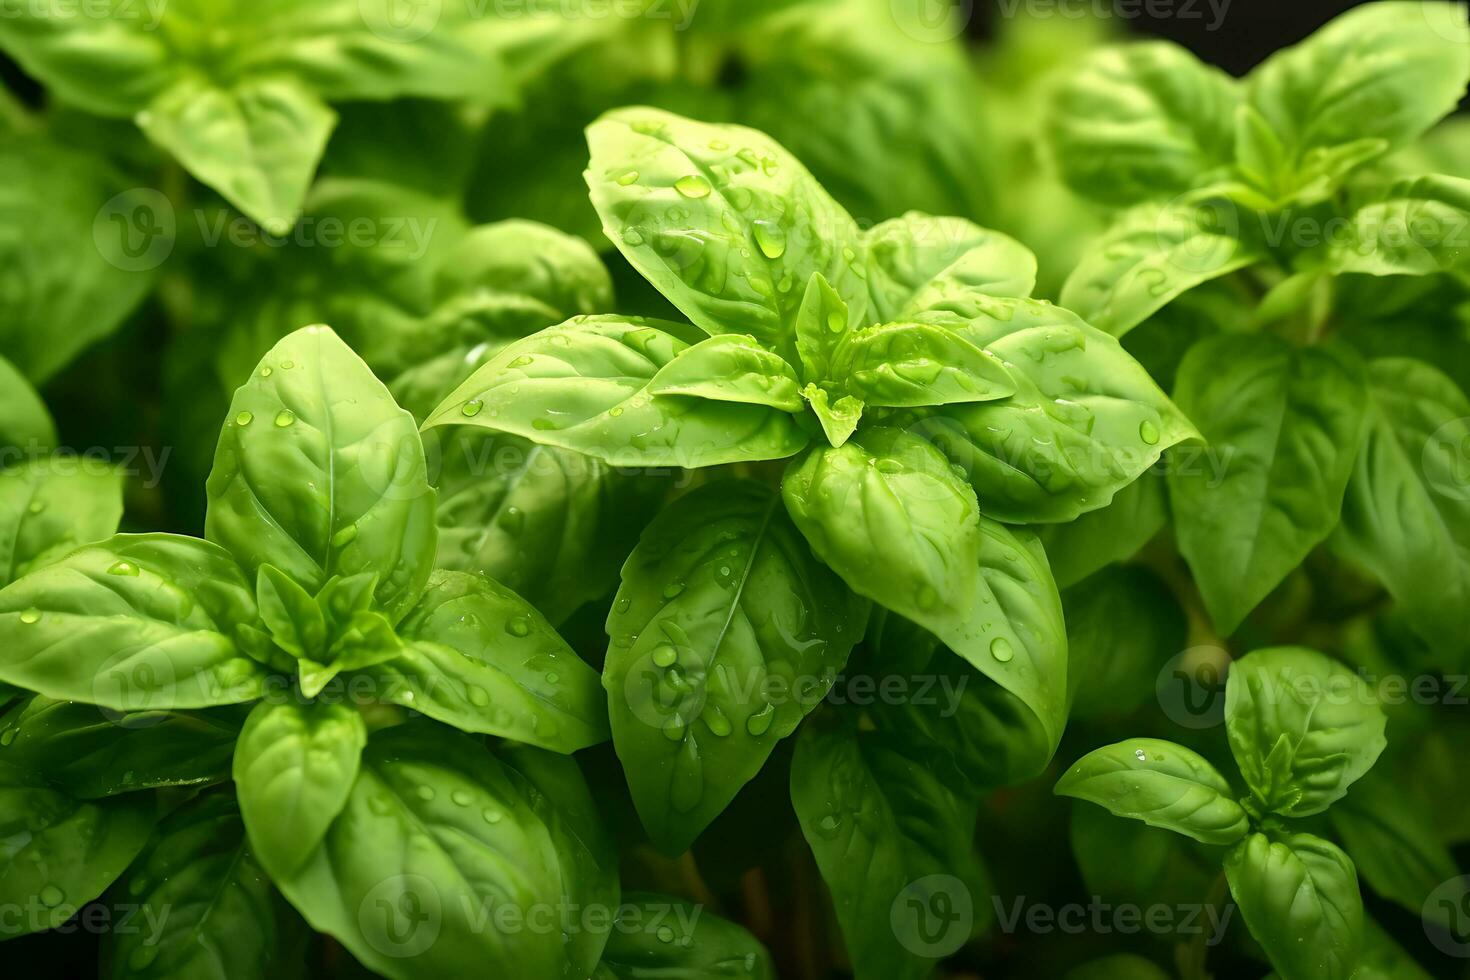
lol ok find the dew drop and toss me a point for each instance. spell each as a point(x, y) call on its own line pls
point(472, 408)
point(287, 365)
point(493, 816)
point(692, 186)
point(286, 419)
point(770, 237)
point(672, 590)
point(1148, 432)
point(665, 656)
point(124, 568)
point(345, 536)
point(624, 605)
point(665, 934)
point(1001, 649)
point(518, 626)
point(425, 793)
point(244, 418)
point(8, 737)
point(31, 617)
point(478, 696)
point(631, 177)
point(51, 896)
point(460, 797)
point(267, 371)
point(1140, 755)
point(760, 722)
point(633, 237)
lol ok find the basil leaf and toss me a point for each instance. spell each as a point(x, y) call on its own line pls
point(1088, 543)
point(60, 852)
point(104, 62)
point(1122, 624)
point(661, 936)
point(1163, 784)
point(892, 839)
point(922, 264)
point(730, 368)
point(1144, 121)
point(1414, 227)
point(722, 220)
point(1406, 517)
point(139, 622)
point(1154, 253)
point(478, 657)
point(551, 525)
point(1286, 423)
point(890, 516)
point(839, 415)
point(92, 753)
point(257, 143)
point(912, 365)
point(205, 906)
point(1392, 839)
point(436, 838)
point(84, 245)
point(725, 634)
point(294, 768)
point(24, 420)
point(589, 857)
point(290, 613)
point(1299, 896)
point(823, 322)
point(584, 386)
point(50, 507)
point(1302, 728)
point(1372, 80)
point(1086, 419)
point(320, 473)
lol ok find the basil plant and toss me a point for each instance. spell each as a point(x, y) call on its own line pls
point(278, 651)
point(890, 411)
point(1302, 728)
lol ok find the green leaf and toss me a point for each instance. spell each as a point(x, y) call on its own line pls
point(437, 838)
point(1416, 227)
point(1142, 122)
point(92, 753)
point(823, 321)
point(730, 368)
point(1391, 837)
point(136, 623)
point(698, 943)
point(1087, 544)
point(257, 143)
point(1302, 728)
point(51, 506)
point(60, 853)
point(479, 657)
point(584, 386)
point(1163, 784)
point(1285, 424)
point(24, 420)
point(1152, 254)
point(108, 61)
point(1372, 80)
point(913, 365)
point(294, 768)
point(81, 245)
point(922, 264)
point(725, 634)
point(1127, 861)
point(1086, 419)
point(290, 613)
point(839, 414)
point(888, 514)
point(1122, 625)
point(894, 843)
point(1406, 514)
point(1299, 896)
point(552, 525)
point(722, 220)
point(205, 908)
point(320, 473)
point(589, 856)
